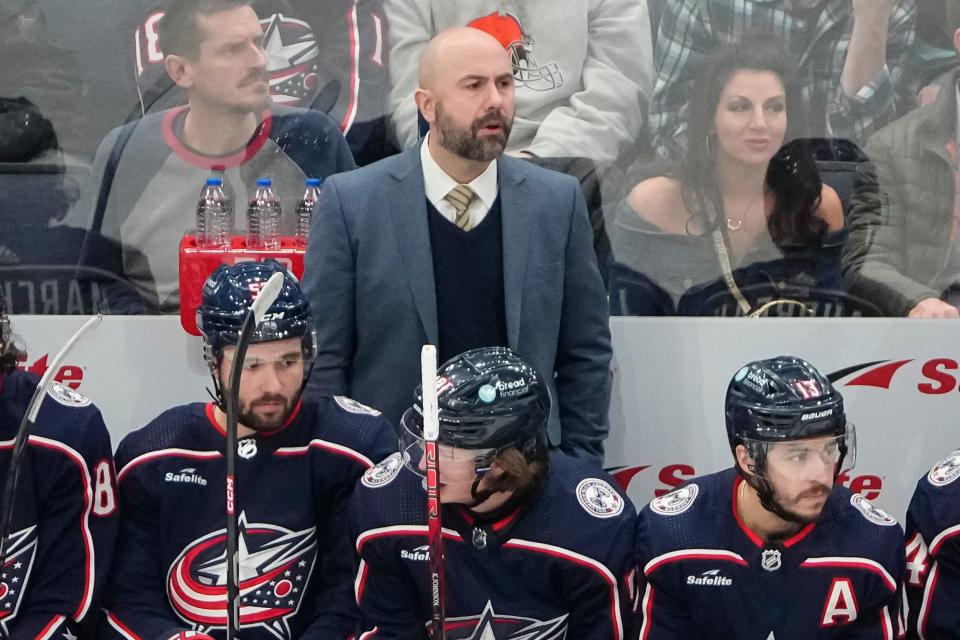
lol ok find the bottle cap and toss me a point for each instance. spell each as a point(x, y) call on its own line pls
point(264, 182)
point(314, 182)
point(214, 182)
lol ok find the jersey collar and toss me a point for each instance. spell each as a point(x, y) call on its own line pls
point(212, 418)
point(752, 535)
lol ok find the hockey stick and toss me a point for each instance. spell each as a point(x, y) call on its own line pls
point(23, 432)
point(268, 293)
point(431, 432)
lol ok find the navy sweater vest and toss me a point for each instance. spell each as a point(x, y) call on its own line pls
point(468, 275)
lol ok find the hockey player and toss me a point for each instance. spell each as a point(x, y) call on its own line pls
point(537, 544)
point(65, 511)
point(932, 580)
point(772, 548)
point(299, 457)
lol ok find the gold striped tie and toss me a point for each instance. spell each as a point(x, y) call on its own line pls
point(460, 197)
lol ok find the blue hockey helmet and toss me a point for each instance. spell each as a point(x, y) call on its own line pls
point(227, 296)
point(488, 399)
point(780, 399)
point(786, 400)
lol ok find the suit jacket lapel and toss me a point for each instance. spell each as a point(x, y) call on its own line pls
point(407, 210)
point(517, 222)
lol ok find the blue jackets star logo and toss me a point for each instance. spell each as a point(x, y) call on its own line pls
point(490, 625)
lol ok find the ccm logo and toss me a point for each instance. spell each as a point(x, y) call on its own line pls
point(68, 375)
point(674, 475)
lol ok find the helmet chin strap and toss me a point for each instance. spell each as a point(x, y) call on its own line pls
point(769, 502)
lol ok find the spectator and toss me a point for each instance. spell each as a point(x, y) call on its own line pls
point(454, 244)
point(850, 53)
point(902, 252)
point(148, 174)
point(328, 55)
point(735, 198)
point(582, 69)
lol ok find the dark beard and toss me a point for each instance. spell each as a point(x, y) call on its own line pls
point(247, 418)
point(465, 143)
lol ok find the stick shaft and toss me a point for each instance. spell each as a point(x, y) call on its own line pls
point(431, 432)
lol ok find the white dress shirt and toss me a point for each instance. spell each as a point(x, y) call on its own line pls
point(437, 184)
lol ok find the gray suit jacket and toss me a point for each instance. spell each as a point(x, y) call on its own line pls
point(369, 277)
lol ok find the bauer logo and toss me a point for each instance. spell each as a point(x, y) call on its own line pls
point(420, 554)
point(186, 476)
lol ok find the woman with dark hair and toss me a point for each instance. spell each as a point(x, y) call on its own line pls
point(740, 195)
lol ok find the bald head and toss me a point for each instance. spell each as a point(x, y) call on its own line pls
point(446, 54)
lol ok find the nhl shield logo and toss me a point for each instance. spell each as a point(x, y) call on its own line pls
point(770, 559)
point(599, 499)
point(247, 448)
point(383, 473)
point(945, 472)
point(675, 502)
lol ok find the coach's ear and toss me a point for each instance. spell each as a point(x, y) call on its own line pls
point(178, 68)
point(745, 461)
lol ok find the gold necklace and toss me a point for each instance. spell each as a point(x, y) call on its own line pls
point(734, 225)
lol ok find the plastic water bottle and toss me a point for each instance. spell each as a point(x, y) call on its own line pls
point(214, 217)
point(305, 211)
point(264, 218)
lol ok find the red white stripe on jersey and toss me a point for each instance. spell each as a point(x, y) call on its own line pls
point(89, 562)
point(332, 447)
point(576, 558)
point(924, 614)
point(51, 629)
point(942, 537)
point(119, 627)
point(693, 554)
point(166, 453)
point(853, 562)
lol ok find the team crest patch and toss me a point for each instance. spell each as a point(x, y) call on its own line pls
point(945, 472)
point(872, 512)
point(675, 502)
point(383, 473)
point(67, 396)
point(351, 405)
point(599, 498)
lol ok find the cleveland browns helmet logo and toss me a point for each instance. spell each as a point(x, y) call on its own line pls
point(526, 72)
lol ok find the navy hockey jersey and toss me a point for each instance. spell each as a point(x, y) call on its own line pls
point(292, 489)
point(558, 567)
point(65, 516)
point(704, 575)
point(932, 580)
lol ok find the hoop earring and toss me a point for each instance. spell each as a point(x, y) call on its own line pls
point(708, 146)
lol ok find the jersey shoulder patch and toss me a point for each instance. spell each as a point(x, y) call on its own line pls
point(351, 405)
point(675, 502)
point(66, 396)
point(383, 473)
point(599, 499)
point(872, 512)
point(945, 472)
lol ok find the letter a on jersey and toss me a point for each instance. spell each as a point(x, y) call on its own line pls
point(841, 604)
